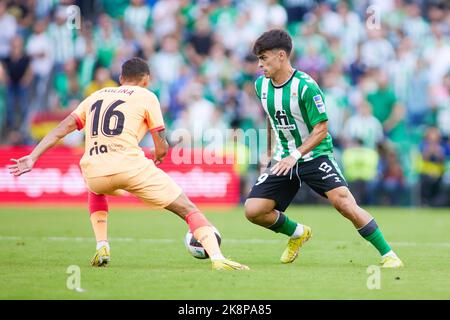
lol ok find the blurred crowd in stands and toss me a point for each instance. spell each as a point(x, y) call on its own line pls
point(383, 65)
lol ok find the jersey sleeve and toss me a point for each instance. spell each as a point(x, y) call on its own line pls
point(315, 104)
point(80, 114)
point(153, 114)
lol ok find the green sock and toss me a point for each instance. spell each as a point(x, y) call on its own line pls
point(284, 225)
point(373, 234)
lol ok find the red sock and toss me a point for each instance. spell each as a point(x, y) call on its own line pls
point(196, 219)
point(98, 209)
point(97, 202)
point(204, 233)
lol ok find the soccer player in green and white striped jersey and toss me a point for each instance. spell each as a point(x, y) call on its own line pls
point(303, 152)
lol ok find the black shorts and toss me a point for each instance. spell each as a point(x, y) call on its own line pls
point(321, 174)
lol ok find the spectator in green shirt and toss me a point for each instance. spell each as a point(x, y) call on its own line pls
point(67, 86)
point(384, 103)
point(115, 9)
point(387, 109)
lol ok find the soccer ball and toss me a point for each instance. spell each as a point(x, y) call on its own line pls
point(195, 248)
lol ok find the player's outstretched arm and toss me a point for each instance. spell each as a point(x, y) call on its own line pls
point(25, 164)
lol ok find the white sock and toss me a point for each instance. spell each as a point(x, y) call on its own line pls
point(298, 231)
point(390, 254)
point(217, 256)
point(102, 243)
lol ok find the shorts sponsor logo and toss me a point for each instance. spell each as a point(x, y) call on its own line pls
point(329, 176)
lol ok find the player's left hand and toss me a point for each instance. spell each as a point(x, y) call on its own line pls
point(21, 166)
point(157, 161)
point(283, 167)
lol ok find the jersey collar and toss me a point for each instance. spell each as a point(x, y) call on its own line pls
point(286, 82)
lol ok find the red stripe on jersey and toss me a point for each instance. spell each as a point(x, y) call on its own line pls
point(157, 129)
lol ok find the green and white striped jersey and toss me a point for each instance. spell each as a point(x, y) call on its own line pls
point(294, 108)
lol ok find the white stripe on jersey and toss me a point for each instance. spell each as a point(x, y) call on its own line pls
point(303, 91)
point(278, 101)
point(307, 78)
point(296, 113)
point(264, 93)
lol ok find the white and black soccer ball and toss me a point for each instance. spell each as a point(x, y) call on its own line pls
point(195, 248)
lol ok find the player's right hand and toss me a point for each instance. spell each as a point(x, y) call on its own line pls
point(21, 166)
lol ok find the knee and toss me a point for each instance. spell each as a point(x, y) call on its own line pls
point(253, 211)
point(344, 203)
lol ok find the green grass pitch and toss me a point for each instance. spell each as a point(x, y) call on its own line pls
point(149, 260)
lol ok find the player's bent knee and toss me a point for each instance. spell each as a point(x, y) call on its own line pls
point(342, 206)
point(250, 215)
point(345, 205)
point(254, 210)
point(339, 198)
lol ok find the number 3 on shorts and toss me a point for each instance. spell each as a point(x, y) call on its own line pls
point(262, 178)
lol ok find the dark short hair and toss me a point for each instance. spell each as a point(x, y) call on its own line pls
point(273, 39)
point(135, 69)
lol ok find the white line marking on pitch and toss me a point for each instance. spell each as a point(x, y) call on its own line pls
point(266, 241)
